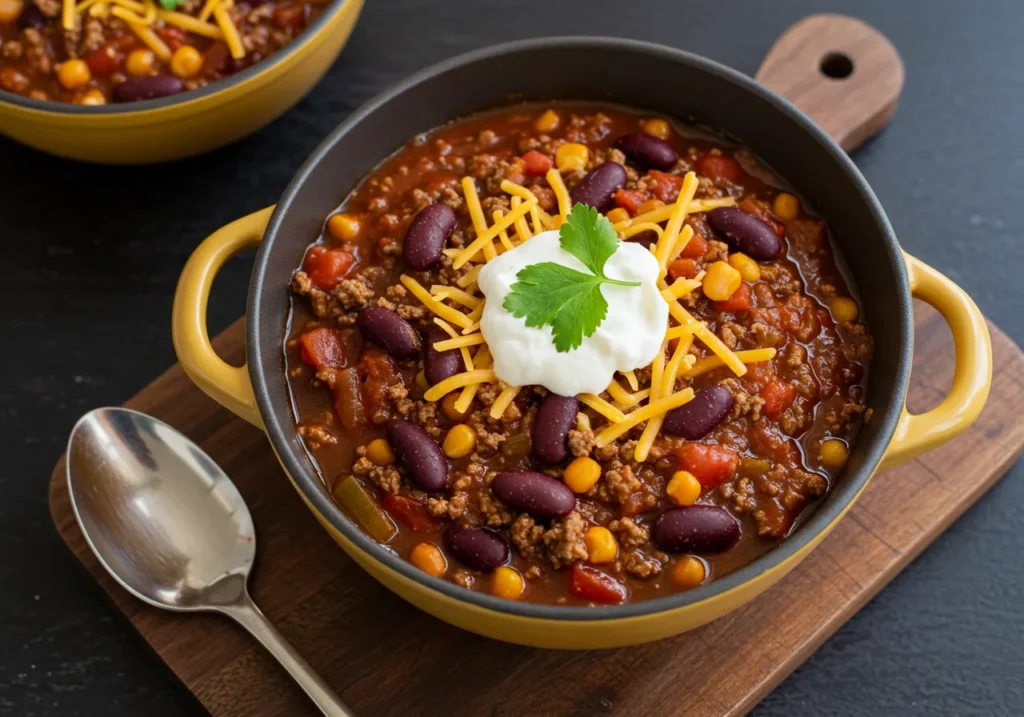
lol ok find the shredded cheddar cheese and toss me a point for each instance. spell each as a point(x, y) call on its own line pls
point(662, 214)
point(435, 306)
point(459, 380)
point(456, 295)
point(482, 359)
point(631, 378)
point(467, 360)
point(231, 36)
point(459, 342)
point(150, 38)
point(488, 235)
point(502, 235)
point(603, 407)
point(187, 22)
point(507, 395)
point(561, 193)
point(635, 418)
point(712, 362)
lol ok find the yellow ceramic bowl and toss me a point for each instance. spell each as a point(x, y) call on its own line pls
point(563, 67)
point(190, 123)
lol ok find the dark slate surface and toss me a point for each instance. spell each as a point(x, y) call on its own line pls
point(89, 258)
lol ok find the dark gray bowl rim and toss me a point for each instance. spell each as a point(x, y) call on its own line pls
point(69, 108)
point(280, 428)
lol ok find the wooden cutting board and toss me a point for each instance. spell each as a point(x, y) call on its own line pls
point(385, 657)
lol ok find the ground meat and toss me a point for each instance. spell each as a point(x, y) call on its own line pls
point(618, 484)
point(641, 565)
point(387, 477)
point(453, 508)
point(35, 51)
point(765, 336)
point(743, 404)
point(630, 535)
point(581, 442)
point(92, 37)
point(860, 346)
point(731, 334)
point(50, 8)
point(717, 251)
point(564, 540)
point(13, 50)
point(463, 578)
point(354, 294)
point(494, 511)
point(317, 435)
point(836, 419)
point(526, 536)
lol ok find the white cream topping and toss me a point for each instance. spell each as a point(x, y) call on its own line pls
point(629, 337)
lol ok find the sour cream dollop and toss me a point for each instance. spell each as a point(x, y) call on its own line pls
point(629, 337)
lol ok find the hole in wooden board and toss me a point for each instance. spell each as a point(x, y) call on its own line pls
point(836, 65)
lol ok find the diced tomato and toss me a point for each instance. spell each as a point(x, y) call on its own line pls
point(682, 269)
point(379, 374)
point(760, 210)
point(173, 36)
point(629, 200)
point(323, 349)
point(664, 186)
point(718, 166)
point(348, 400)
point(595, 586)
point(327, 267)
point(777, 396)
point(293, 16)
point(741, 300)
point(806, 233)
point(536, 164)
point(710, 464)
point(103, 61)
point(695, 248)
point(412, 513)
point(215, 60)
point(634, 504)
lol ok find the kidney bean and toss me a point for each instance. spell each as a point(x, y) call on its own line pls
point(31, 16)
point(751, 235)
point(598, 186)
point(419, 454)
point(427, 235)
point(389, 331)
point(439, 365)
point(149, 87)
point(556, 416)
point(696, 529)
point(539, 495)
point(700, 416)
point(476, 548)
point(647, 151)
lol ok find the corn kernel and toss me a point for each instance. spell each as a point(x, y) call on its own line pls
point(379, 452)
point(139, 62)
point(10, 10)
point(571, 157)
point(688, 572)
point(186, 62)
point(581, 474)
point(343, 227)
point(507, 583)
point(834, 454)
point(460, 441)
point(657, 127)
point(786, 206)
point(429, 558)
point(601, 545)
point(548, 122)
point(683, 488)
point(746, 266)
point(92, 96)
point(617, 215)
point(844, 309)
point(449, 409)
point(721, 281)
point(649, 206)
point(73, 74)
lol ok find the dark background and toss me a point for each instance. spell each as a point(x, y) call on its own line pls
point(89, 257)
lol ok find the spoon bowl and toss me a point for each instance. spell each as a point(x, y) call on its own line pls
point(169, 525)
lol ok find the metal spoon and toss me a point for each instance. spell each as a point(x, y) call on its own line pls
point(170, 526)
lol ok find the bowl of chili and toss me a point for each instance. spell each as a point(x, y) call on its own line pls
point(141, 81)
point(310, 333)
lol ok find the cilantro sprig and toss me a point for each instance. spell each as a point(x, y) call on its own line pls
point(570, 301)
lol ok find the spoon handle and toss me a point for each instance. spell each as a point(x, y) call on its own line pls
point(249, 616)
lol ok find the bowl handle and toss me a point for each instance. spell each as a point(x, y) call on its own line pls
point(917, 433)
point(226, 384)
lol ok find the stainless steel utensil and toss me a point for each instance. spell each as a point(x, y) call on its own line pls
point(170, 526)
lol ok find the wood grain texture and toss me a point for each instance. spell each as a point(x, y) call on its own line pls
point(386, 658)
point(850, 108)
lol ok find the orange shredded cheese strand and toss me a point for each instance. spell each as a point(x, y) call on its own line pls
point(459, 342)
point(712, 362)
point(445, 312)
point(682, 239)
point(231, 37)
point(187, 22)
point(554, 178)
point(703, 333)
point(635, 418)
point(650, 432)
point(457, 295)
point(470, 278)
point(640, 228)
point(207, 10)
point(467, 360)
point(663, 213)
point(621, 395)
point(68, 16)
point(680, 288)
point(149, 38)
point(507, 395)
point(603, 407)
point(631, 378)
point(502, 235)
point(522, 228)
point(487, 236)
point(482, 359)
point(459, 380)
point(675, 222)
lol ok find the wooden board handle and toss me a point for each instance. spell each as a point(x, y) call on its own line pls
point(843, 73)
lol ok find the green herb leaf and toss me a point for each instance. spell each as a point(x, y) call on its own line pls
point(589, 237)
point(170, 4)
point(570, 301)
